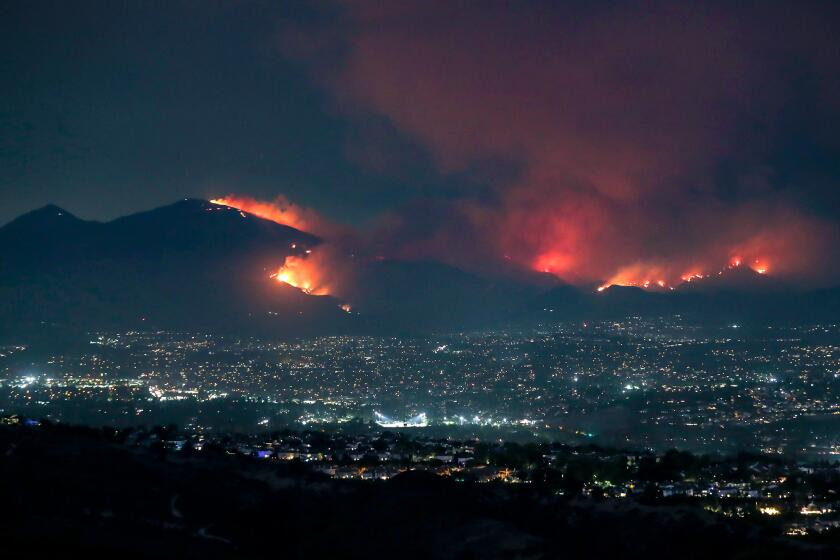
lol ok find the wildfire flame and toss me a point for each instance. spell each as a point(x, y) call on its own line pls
point(311, 272)
point(303, 274)
point(759, 266)
point(642, 276)
point(647, 277)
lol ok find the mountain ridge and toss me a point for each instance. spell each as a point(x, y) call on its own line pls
point(197, 265)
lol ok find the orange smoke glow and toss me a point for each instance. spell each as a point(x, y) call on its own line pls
point(759, 266)
point(280, 210)
point(553, 263)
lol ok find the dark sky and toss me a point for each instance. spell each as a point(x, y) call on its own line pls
point(593, 141)
point(111, 107)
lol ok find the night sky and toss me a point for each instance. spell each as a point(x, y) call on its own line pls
point(590, 141)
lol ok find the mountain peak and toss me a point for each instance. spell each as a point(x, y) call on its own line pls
point(51, 208)
point(183, 206)
point(203, 213)
point(49, 211)
point(45, 218)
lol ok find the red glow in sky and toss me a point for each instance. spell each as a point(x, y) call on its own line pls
point(280, 210)
point(615, 140)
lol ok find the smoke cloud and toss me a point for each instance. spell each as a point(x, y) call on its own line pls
point(645, 138)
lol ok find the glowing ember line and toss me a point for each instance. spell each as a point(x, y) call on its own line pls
point(281, 211)
point(639, 275)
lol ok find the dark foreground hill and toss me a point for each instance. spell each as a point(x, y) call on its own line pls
point(75, 493)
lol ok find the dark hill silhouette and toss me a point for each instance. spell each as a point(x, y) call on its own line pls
point(720, 304)
point(740, 278)
point(194, 265)
point(189, 265)
point(431, 296)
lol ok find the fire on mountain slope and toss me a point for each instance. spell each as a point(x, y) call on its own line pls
point(311, 272)
point(659, 277)
point(305, 273)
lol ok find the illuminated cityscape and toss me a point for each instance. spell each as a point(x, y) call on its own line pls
point(648, 384)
